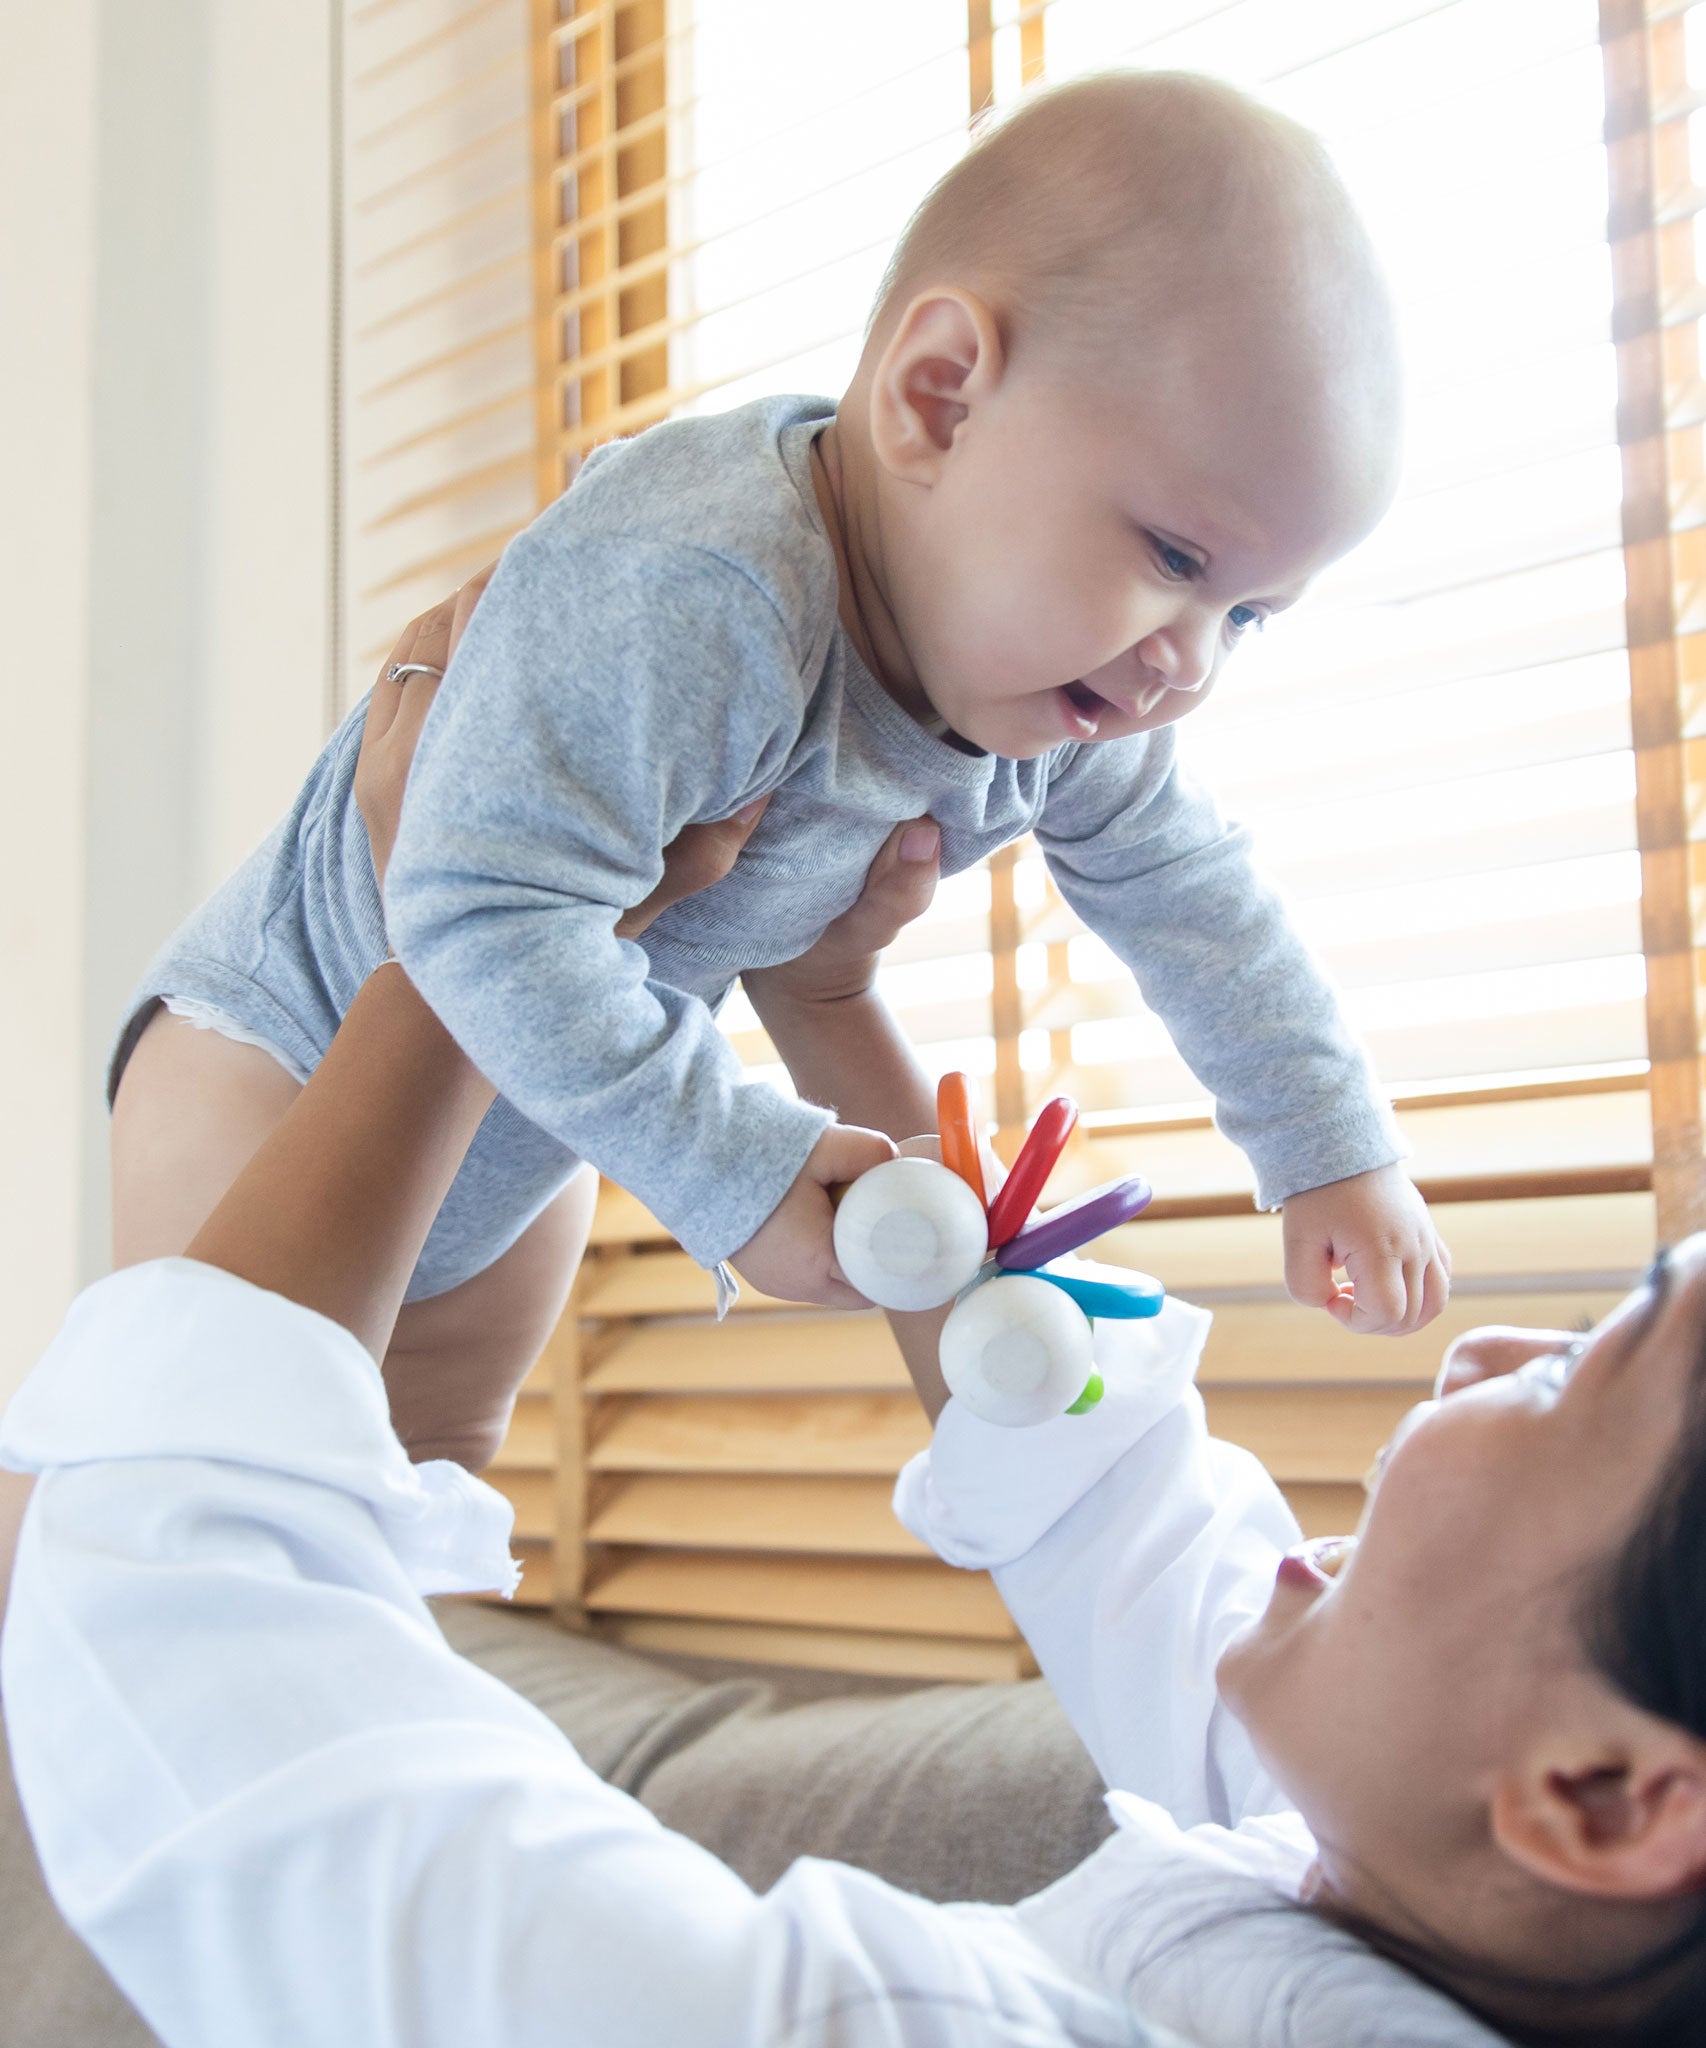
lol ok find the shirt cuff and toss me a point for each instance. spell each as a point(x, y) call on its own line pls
point(1331, 1147)
point(744, 1159)
point(175, 1359)
point(981, 1496)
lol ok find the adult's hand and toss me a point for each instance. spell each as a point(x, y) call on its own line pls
point(396, 712)
point(899, 885)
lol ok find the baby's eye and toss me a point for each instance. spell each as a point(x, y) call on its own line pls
point(1175, 561)
point(1244, 618)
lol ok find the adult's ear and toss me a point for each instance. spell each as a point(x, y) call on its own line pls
point(943, 359)
point(1620, 1819)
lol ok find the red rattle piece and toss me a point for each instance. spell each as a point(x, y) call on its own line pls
point(1036, 1160)
point(956, 1123)
point(1075, 1223)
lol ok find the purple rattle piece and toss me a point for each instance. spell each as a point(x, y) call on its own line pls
point(1074, 1223)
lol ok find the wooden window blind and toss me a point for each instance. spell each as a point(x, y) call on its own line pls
point(1655, 76)
point(438, 462)
point(1470, 758)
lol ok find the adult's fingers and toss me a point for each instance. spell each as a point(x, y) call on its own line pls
point(424, 639)
point(432, 637)
point(898, 886)
point(698, 856)
point(462, 610)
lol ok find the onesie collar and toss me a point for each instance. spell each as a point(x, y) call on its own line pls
point(903, 738)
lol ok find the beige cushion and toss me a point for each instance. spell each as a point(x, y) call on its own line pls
point(967, 1792)
point(53, 1994)
point(954, 1791)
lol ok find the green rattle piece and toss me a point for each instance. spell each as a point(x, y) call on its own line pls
point(1091, 1395)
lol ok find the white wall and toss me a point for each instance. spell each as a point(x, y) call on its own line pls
point(164, 534)
point(47, 252)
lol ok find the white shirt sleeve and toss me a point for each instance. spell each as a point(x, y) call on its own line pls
point(1129, 1545)
point(281, 1811)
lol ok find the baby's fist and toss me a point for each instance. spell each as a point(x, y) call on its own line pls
point(792, 1256)
point(1377, 1229)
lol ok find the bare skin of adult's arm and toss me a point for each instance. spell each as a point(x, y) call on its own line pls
point(844, 1049)
point(334, 1207)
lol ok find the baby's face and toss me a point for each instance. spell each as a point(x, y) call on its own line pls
point(1095, 548)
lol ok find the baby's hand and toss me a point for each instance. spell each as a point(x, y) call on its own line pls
point(793, 1255)
point(1377, 1228)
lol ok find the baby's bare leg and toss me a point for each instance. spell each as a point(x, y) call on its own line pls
point(190, 1112)
point(456, 1361)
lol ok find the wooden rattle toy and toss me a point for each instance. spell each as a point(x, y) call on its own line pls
point(1037, 1156)
point(956, 1121)
point(1074, 1223)
point(909, 1234)
point(1017, 1347)
point(1017, 1351)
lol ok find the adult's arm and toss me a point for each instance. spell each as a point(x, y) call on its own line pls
point(1128, 1545)
point(267, 1794)
point(1145, 858)
point(280, 1810)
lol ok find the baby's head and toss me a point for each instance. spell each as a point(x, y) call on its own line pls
point(1130, 383)
point(1493, 1715)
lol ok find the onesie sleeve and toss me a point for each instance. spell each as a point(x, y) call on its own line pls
point(1144, 857)
point(1129, 1545)
point(608, 691)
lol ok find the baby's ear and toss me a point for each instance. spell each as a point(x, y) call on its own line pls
point(942, 359)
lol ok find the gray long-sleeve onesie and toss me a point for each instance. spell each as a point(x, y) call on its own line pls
point(662, 646)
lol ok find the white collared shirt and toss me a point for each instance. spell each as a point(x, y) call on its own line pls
point(282, 1811)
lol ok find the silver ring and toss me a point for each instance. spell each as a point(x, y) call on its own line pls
point(399, 669)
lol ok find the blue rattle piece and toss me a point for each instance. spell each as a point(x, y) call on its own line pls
point(1123, 1300)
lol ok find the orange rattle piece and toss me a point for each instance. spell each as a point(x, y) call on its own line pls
point(956, 1122)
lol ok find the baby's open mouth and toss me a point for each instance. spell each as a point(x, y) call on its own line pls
point(1091, 705)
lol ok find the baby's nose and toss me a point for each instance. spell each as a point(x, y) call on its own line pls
point(1181, 655)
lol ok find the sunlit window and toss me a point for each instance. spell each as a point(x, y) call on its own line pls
point(1433, 749)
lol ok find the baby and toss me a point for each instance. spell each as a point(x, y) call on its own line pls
point(1129, 385)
